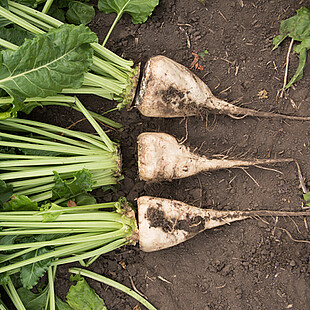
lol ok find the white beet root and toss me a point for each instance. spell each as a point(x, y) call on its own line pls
point(161, 157)
point(164, 223)
point(169, 89)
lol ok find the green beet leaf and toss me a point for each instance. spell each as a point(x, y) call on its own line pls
point(297, 28)
point(29, 106)
point(4, 278)
point(137, 9)
point(61, 305)
point(80, 13)
point(4, 3)
point(20, 203)
point(15, 34)
point(48, 63)
point(82, 296)
point(300, 70)
point(57, 13)
point(81, 183)
point(307, 197)
point(50, 217)
point(85, 199)
point(48, 237)
point(31, 300)
point(30, 274)
point(36, 152)
point(62, 4)
point(6, 240)
point(6, 191)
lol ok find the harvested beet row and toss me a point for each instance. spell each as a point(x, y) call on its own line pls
point(168, 89)
point(164, 223)
point(161, 157)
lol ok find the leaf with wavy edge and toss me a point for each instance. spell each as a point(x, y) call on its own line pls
point(139, 10)
point(32, 273)
point(48, 63)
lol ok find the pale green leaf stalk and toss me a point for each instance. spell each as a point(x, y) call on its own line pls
point(107, 281)
point(74, 234)
point(11, 291)
point(55, 153)
point(50, 275)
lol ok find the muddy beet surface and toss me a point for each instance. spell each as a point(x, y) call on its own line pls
point(253, 264)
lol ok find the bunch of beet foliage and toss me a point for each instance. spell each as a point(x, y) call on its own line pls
point(61, 58)
point(37, 238)
point(298, 29)
point(46, 214)
point(44, 161)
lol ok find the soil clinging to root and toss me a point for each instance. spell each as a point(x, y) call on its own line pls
point(157, 218)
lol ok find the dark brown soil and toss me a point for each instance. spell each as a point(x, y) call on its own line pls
point(253, 264)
